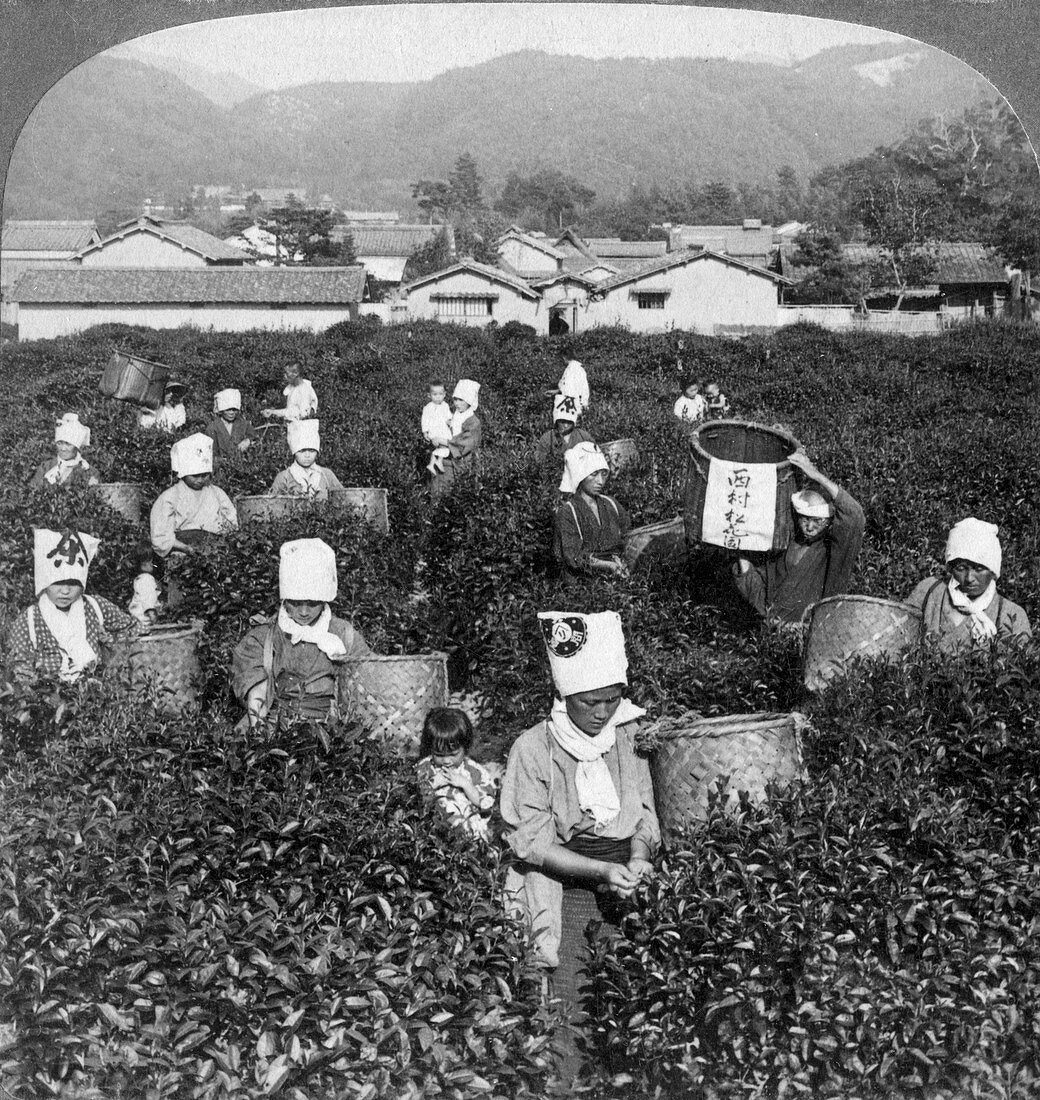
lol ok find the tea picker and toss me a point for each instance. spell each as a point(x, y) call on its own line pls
point(589, 529)
point(301, 401)
point(574, 383)
point(562, 436)
point(964, 609)
point(68, 467)
point(461, 454)
point(231, 432)
point(304, 477)
point(289, 666)
point(66, 633)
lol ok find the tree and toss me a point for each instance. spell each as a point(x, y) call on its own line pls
point(429, 258)
point(830, 276)
point(477, 236)
point(465, 185)
point(434, 198)
point(547, 198)
point(301, 233)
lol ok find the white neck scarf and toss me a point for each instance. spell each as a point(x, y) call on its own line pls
point(597, 794)
point(309, 478)
point(317, 633)
point(59, 474)
point(70, 632)
point(458, 419)
point(982, 626)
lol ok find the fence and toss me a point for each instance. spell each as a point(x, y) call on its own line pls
point(846, 318)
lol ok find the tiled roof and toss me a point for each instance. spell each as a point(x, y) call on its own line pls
point(47, 236)
point(494, 274)
point(186, 236)
point(607, 249)
point(389, 240)
point(732, 239)
point(679, 259)
point(957, 262)
point(540, 243)
point(205, 285)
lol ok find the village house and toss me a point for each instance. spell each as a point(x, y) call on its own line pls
point(534, 258)
point(469, 293)
point(625, 254)
point(751, 241)
point(154, 242)
point(226, 299)
point(695, 289)
point(386, 249)
point(28, 244)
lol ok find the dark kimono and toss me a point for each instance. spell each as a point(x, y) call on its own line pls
point(225, 443)
point(80, 478)
point(551, 447)
point(464, 457)
point(580, 534)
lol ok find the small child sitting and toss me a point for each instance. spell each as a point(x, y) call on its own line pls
point(436, 416)
point(144, 604)
point(461, 788)
point(305, 476)
point(691, 407)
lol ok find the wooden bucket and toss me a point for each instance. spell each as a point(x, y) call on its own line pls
point(740, 441)
point(843, 628)
point(128, 377)
point(391, 694)
point(619, 453)
point(167, 656)
point(370, 503)
point(692, 753)
point(265, 508)
point(123, 497)
point(655, 541)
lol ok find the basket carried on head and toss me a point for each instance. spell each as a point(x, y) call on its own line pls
point(391, 694)
point(371, 503)
point(655, 541)
point(278, 506)
point(619, 453)
point(692, 752)
point(168, 655)
point(842, 628)
point(123, 497)
point(128, 377)
point(738, 443)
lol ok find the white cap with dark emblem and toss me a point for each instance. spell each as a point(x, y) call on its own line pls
point(586, 652)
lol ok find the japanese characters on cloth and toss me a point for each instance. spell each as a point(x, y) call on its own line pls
point(740, 505)
point(224, 400)
point(192, 455)
point(976, 541)
point(65, 556)
point(579, 463)
point(307, 571)
point(586, 651)
point(303, 435)
point(565, 408)
point(70, 430)
point(469, 391)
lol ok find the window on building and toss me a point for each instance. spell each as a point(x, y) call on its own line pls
point(465, 307)
point(651, 299)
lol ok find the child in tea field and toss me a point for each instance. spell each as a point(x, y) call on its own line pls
point(563, 435)
point(144, 604)
point(589, 529)
point(717, 407)
point(461, 453)
point(436, 416)
point(964, 609)
point(460, 787)
point(68, 467)
point(300, 399)
point(171, 414)
point(231, 433)
point(305, 476)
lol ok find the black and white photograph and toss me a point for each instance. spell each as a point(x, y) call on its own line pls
point(521, 550)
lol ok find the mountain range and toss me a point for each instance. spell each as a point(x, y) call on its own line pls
point(114, 130)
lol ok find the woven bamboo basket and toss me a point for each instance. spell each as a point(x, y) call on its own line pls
point(753, 750)
point(123, 497)
point(655, 541)
point(740, 441)
point(391, 694)
point(167, 655)
point(844, 628)
point(266, 508)
point(370, 503)
point(619, 453)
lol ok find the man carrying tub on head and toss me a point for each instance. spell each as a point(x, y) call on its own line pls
point(828, 531)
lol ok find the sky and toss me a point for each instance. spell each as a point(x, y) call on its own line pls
point(407, 42)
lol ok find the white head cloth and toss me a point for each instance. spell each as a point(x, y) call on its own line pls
point(192, 455)
point(565, 408)
point(811, 504)
point(307, 571)
point(227, 399)
point(469, 391)
point(303, 435)
point(580, 461)
point(586, 652)
point(70, 430)
point(976, 541)
point(62, 556)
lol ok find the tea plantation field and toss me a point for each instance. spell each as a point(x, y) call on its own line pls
point(190, 912)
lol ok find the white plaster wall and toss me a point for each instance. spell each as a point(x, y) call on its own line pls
point(510, 305)
point(142, 250)
point(525, 258)
point(388, 269)
point(704, 293)
point(41, 322)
